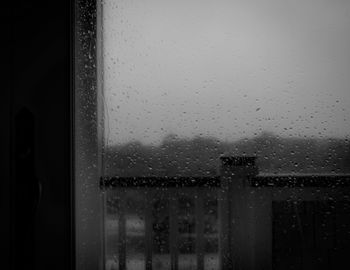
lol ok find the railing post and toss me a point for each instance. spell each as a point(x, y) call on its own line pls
point(148, 229)
point(262, 206)
point(225, 258)
point(199, 206)
point(122, 232)
point(173, 229)
point(239, 200)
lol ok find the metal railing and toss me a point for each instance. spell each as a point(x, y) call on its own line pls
point(188, 205)
point(239, 203)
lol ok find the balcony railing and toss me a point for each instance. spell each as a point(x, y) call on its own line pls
point(238, 220)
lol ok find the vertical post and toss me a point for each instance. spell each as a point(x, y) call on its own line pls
point(199, 205)
point(225, 257)
point(236, 172)
point(173, 220)
point(263, 228)
point(148, 229)
point(122, 232)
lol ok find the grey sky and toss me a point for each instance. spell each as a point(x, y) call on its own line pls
point(226, 68)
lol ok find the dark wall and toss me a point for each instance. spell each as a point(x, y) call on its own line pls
point(36, 138)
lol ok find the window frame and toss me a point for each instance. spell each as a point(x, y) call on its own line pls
point(88, 225)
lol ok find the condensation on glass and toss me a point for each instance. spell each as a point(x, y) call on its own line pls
point(225, 133)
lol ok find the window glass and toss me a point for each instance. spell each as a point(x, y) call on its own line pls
point(185, 82)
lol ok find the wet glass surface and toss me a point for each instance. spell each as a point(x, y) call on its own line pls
point(186, 82)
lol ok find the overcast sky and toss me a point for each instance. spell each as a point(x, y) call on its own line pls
point(226, 68)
